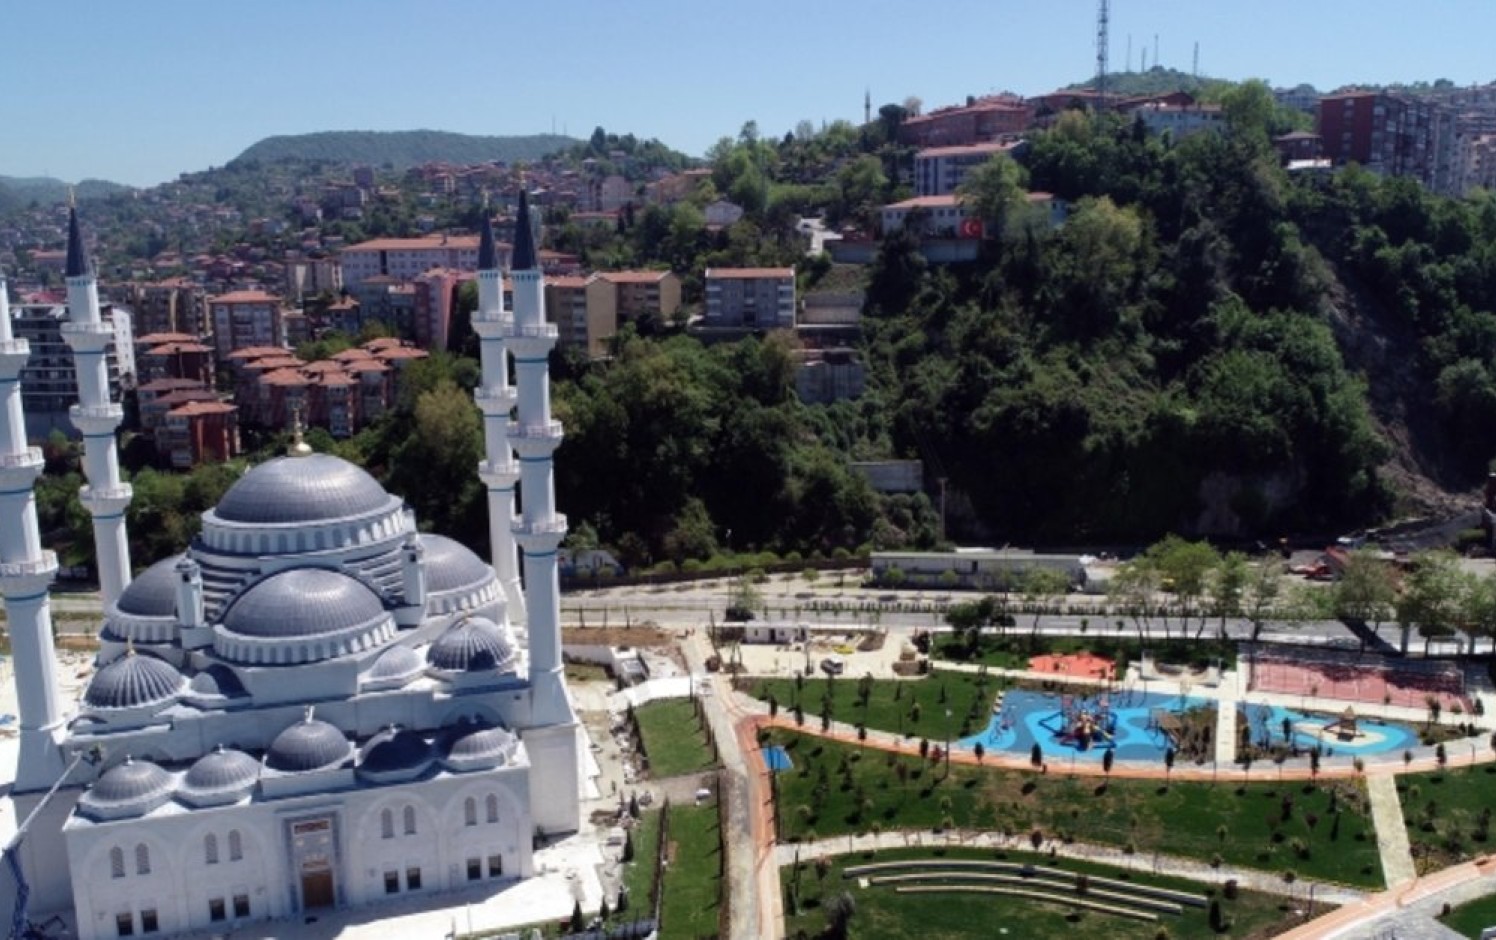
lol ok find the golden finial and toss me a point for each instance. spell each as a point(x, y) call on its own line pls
point(299, 447)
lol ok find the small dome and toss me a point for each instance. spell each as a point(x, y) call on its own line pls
point(473, 747)
point(474, 644)
point(397, 662)
point(132, 788)
point(451, 566)
point(133, 681)
point(395, 749)
point(220, 775)
point(307, 745)
point(314, 488)
point(153, 593)
point(217, 680)
point(302, 602)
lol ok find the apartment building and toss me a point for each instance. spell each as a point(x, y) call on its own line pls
point(174, 305)
point(49, 382)
point(245, 318)
point(755, 298)
point(939, 170)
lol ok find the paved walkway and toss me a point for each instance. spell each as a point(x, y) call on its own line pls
point(1169, 865)
point(1405, 912)
point(1392, 831)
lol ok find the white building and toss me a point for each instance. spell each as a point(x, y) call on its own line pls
point(939, 170)
point(405, 258)
point(757, 298)
point(314, 706)
point(1181, 120)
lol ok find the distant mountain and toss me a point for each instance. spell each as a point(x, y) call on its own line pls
point(1156, 81)
point(402, 149)
point(18, 190)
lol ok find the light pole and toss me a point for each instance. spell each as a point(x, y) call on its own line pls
point(947, 742)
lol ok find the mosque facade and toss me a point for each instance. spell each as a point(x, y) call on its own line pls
point(316, 704)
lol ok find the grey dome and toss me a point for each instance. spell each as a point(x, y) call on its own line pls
point(133, 681)
point(474, 644)
point(450, 565)
point(397, 662)
point(131, 788)
point(307, 745)
point(314, 488)
point(217, 679)
point(153, 593)
point(220, 774)
point(482, 747)
point(395, 749)
point(302, 602)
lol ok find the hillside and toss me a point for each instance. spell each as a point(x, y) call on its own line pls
point(402, 149)
point(18, 190)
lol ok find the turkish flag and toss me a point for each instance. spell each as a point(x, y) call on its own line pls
point(971, 228)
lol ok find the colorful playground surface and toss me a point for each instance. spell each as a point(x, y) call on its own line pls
point(1079, 665)
point(777, 758)
point(1376, 680)
point(1129, 724)
point(1346, 734)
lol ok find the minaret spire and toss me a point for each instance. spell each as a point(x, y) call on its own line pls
point(496, 398)
point(26, 572)
point(105, 496)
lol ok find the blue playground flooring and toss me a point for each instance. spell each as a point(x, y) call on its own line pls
point(1373, 737)
point(777, 759)
point(1123, 725)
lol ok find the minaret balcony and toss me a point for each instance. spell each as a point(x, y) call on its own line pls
point(97, 419)
point(496, 400)
point(20, 578)
point(539, 535)
point(19, 471)
point(14, 354)
point(495, 324)
point(85, 337)
point(535, 440)
point(532, 340)
point(498, 475)
point(105, 500)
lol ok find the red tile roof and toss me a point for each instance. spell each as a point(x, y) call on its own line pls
point(633, 277)
point(168, 384)
point(156, 339)
point(192, 409)
point(749, 273)
point(258, 352)
point(245, 297)
point(968, 149)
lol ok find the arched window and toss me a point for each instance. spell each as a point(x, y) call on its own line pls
point(236, 846)
point(142, 859)
point(387, 824)
point(116, 862)
point(210, 849)
point(470, 812)
point(493, 808)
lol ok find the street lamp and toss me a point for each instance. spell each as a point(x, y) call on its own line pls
point(947, 742)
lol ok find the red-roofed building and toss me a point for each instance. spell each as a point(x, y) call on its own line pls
point(245, 318)
point(199, 431)
point(180, 359)
point(978, 120)
point(174, 305)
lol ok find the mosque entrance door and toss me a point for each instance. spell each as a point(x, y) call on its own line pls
point(316, 889)
point(314, 851)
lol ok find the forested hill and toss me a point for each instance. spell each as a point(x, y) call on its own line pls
point(17, 191)
point(401, 149)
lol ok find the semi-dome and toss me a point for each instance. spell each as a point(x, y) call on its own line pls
point(220, 776)
point(395, 664)
point(128, 789)
point(313, 488)
point(307, 745)
point(153, 593)
point(473, 644)
point(451, 566)
point(302, 602)
point(217, 680)
point(477, 747)
point(133, 681)
point(394, 750)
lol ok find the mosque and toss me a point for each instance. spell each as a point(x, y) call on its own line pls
point(315, 705)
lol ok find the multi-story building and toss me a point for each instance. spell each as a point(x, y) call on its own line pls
point(566, 306)
point(641, 293)
point(1180, 120)
point(174, 305)
point(245, 318)
point(305, 276)
point(1389, 134)
point(159, 397)
point(435, 299)
point(939, 170)
point(175, 356)
point(755, 298)
point(199, 432)
point(404, 259)
point(978, 120)
point(49, 382)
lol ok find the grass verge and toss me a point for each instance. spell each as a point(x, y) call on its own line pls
point(693, 884)
point(674, 740)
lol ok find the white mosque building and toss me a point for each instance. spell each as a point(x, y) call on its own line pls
point(316, 705)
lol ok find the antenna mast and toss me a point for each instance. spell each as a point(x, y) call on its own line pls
point(1102, 16)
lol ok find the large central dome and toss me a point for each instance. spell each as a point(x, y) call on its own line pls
point(314, 488)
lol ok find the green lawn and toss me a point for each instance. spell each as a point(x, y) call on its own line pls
point(1448, 814)
point(1470, 919)
point(882, 913)
point(674, 740)
point(692, 886)
point(915, 707)
point(1326, 832)
point(638, 875)
point(1012, 649)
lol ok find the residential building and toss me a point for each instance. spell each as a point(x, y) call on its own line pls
point(199, 432)
point(939, 170)
point(637, 294)
point(49, 381)
point(245, 318)
point(578, 324)
point(158, 397)
point(435, 299)
point(404, 259)
point(309, 276)
point(947, 217)
point(753, 298)
point(1180, 121)
point(824, 376)
point(174, 305)
point(1389, 134)
point(173, 355)
point(1298, 145)
point(980, 119)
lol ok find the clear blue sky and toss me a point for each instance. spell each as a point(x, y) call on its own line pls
point(140, 90)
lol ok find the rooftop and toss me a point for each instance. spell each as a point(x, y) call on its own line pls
point(748, 273)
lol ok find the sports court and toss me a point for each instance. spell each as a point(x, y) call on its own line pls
point(1373, 679)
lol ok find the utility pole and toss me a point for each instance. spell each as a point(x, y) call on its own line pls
point(1102, 18)
point(1195, 62)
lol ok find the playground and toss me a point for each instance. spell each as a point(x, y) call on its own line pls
point(1130, 725)
point(1372, 680)
point(1074, 665)
point(1346, 734)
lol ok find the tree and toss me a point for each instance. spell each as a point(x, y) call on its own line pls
point(1432, 595)
point(1227, 586)
point(1041, 586)
point(1106, 762)
point(1185, 568)
point(994, 191)
point(1365, 592)
point(839, 912)
point(578, 922)
point(1264, 586)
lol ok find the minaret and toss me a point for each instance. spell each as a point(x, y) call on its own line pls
point(551, 738)
point(496, 398)
point(535, 437)
point(96, 417)
point(25, 574)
